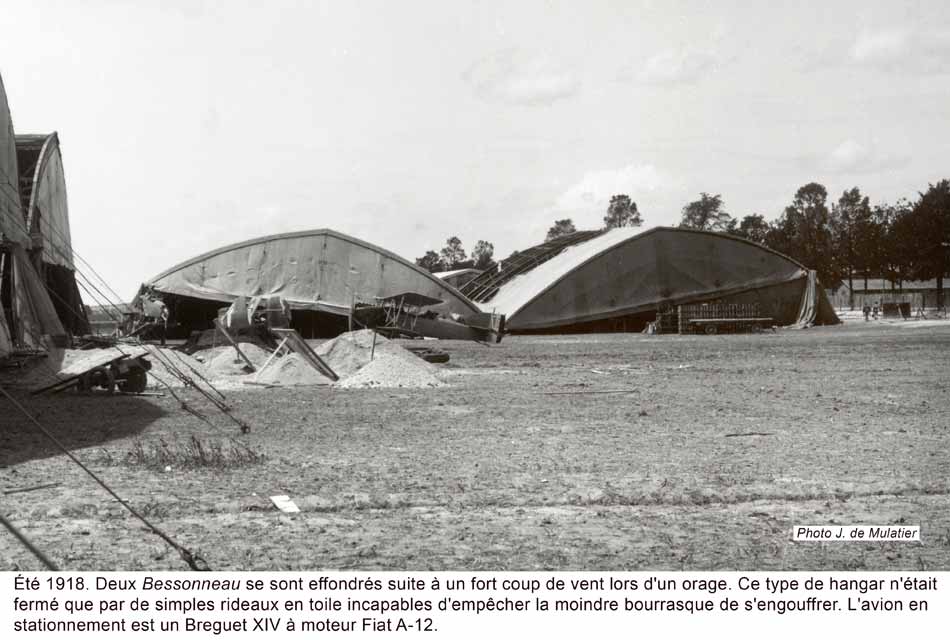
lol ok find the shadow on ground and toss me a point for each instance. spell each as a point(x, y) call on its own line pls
point(77, 421)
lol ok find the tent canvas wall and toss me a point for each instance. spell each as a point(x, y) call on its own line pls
point(43, 191)
point(618, 280)
point(12, 227)
point(29, 318)
point(38, 325)
point(321, 274)
point(6, 344)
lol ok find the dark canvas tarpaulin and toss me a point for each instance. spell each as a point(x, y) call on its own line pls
point(625, 272)
point(320, 270)
point(6, 345)
point(809, 309)
point(12, 226)
point(64, 294)
point(47, 212)
point(38, 325)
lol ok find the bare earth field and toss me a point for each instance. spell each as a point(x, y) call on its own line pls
point(518, 464)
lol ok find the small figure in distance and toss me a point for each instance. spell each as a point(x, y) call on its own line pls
point(874, 310)
point(156, 312)
point(867, 311)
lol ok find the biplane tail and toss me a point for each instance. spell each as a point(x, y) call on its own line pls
point(491, 325)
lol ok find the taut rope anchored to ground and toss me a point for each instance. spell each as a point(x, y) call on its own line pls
point(193, 560)
point(104, 301)
point(29, 545)
point(189, 381)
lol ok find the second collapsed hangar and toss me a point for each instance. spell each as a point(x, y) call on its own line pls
point(617, 280)
point(321, 274)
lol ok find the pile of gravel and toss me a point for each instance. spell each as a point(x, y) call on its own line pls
point(349, 352)
point(349, 355)
point(225, 362)
point(387, 370)
point(290, 370)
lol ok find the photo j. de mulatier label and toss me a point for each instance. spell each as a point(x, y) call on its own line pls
point(856, 533)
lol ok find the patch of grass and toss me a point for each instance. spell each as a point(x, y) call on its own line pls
point(193, 453)
point(155, 510)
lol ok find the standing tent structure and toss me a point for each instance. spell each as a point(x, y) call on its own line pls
point(321, 274)
point(28, 317)
point(43, 194)
point(12, 229)
point(617, 280)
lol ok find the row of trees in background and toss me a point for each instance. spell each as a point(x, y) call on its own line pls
point(621, 212)
point(453, 256)
point(850, 240)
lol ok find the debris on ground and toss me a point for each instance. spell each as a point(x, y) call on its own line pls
point(352, 356)
point(285, 504)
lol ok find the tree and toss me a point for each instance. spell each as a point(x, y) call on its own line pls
point(622, 212)
point(753, 227)
point(803, 232)
point(931, 224)
point(897, 247)
point(560, 228)
point(430, 262)
point(706, 214)
point(452, 254)
point(853, 232)
point(482, 254)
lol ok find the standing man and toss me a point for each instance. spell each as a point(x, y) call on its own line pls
point(156, 313)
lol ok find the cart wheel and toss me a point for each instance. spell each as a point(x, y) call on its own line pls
point(135, 381)
point(711, 330)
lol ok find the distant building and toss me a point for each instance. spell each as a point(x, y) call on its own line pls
point(919, 293)
point(458, 278)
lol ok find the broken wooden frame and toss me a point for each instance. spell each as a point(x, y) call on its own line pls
point(292, 341)
point(224, 332)
point(75, 374)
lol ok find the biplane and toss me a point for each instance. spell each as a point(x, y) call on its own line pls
point(410, 315)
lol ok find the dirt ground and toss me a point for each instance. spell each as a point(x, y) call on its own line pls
point(597, 452)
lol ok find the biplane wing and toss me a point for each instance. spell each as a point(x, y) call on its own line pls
point(410, 299)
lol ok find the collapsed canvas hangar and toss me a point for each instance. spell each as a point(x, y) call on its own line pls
point(597, 281)
point(320, 273)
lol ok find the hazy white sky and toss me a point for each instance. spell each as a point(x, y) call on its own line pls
point(188, 125)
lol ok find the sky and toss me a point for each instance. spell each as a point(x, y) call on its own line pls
point(187, 125)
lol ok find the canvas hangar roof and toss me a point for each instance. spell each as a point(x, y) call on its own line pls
point(320, 270)
point(630, 271)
